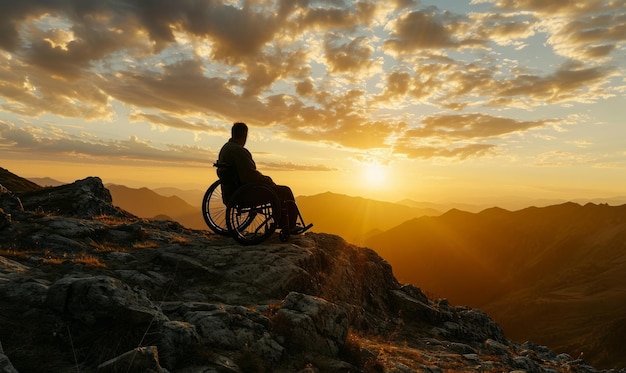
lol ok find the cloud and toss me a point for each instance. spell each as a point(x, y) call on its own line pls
point(290, 166)
point(34, 92)
point(551, 7)
point(351, 56)
point(580, 30)
point(456, 85)
point(333, 16)
point(311, 71)
point(23, 141)
point(170, 121)
point(421, 30)
point(471, 126)
point(568, 83)
point(451, 152)
point(557, 158)
point(460, 136)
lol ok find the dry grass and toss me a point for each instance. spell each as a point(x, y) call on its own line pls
point(10, 253)
point(82, 258)
point(375, 353)
point(179, 239)
point(54, 259)
point(89, 261)
point(110, 220)
point(107, 247)
point(145, 245)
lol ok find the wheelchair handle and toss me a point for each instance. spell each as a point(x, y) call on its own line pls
point(219, 164)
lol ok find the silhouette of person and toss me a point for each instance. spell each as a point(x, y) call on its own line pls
point(235, 154)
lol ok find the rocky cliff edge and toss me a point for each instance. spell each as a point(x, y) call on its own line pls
point(87, 287)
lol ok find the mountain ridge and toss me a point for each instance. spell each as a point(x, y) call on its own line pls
point(523, 265)
point(87, 286)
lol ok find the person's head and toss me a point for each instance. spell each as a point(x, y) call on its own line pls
point(239, 133)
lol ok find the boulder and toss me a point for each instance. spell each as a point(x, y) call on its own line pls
point(231, 327)
point(82, 199)
point(92, 299)
point(8, 201)
point(311, 324)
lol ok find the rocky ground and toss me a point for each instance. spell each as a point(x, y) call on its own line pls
point(86, 287)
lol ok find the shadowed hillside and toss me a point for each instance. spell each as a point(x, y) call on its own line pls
point(15, 183)
point(555, 274)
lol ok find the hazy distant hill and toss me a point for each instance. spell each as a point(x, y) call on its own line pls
point(442, 206)
point(613, 201)
point(192, 197)
point(355, 218)
point(145, 203)
point(555, 275)
point(46, 181)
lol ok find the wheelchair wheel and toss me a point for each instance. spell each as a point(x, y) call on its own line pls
point(214, 210)
point(251, 217)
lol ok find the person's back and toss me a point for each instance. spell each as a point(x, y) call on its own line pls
point(242, 170)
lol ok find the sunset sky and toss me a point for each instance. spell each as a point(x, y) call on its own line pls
point(446, 100)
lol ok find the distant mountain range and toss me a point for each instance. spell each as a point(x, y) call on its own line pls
point(146, 203)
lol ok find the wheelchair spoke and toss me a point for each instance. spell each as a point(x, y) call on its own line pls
point(214, 210)
point(251, 217)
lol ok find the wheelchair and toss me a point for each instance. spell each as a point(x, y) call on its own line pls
point(251, 214)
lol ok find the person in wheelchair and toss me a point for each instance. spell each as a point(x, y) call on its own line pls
point(240, 169)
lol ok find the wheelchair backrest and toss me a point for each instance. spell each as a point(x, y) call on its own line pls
point(229, 177)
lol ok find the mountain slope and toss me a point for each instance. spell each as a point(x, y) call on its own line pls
point(90, 288)
point(544, 273)
point(16, 184)
point(192, 197)
point(355, 218)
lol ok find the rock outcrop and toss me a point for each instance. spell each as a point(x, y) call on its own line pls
point(87, 287)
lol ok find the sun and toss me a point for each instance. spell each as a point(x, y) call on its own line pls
point(375, 175)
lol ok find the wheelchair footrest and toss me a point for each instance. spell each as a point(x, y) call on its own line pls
point(300, 230)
